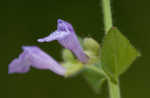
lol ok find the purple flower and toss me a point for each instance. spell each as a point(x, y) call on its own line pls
point(35, 57)
point(66, 36)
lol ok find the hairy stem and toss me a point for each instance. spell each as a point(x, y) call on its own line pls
point(114, 89)
point(107, 15)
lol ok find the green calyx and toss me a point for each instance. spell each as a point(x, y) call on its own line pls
point(89, 44)
point(73, 65)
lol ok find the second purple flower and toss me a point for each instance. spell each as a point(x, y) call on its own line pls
point(66, 36)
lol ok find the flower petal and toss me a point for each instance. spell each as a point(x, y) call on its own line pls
point(19, 65)
point(54, 36)
point(68, 39)
point(64, 26)
point(35, 57)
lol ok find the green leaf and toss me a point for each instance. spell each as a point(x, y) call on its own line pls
point(94, 77)
point(117, 53)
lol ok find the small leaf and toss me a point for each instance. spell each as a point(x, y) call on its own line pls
point(94, 77)
point(117, 53)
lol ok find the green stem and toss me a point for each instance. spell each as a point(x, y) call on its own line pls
point(107, 15)
point(114, 89)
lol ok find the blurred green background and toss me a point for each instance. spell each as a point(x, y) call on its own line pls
point(27, 20)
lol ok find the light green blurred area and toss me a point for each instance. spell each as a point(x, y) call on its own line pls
point(27, 20)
